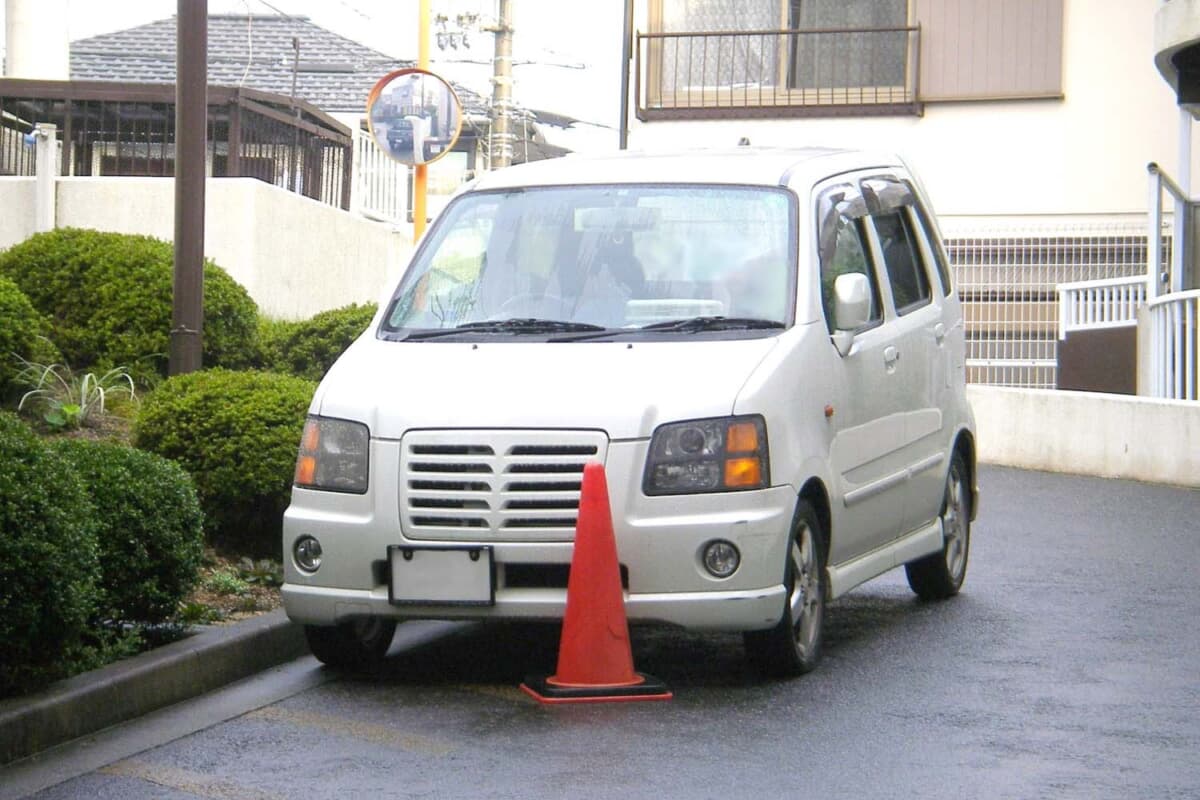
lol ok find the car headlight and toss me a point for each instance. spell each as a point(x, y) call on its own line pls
point(725, 454)
point(333, 455)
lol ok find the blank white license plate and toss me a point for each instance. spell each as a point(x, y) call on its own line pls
point(460, 576)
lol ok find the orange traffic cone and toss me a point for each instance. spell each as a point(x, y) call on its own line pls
point(595, 663)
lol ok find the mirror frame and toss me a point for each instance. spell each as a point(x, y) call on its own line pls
point(376, 95)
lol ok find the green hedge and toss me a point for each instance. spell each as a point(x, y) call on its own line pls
point(237, 433)
point(50, 568)
point(150, 528)
point(21, 329)
point(109, 298)
point(309, 348)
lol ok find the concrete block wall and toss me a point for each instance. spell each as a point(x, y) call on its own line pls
point(1088, 433)
point(295, 256)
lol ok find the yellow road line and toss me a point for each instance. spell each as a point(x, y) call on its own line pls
point(365, 731)
point(185, 780)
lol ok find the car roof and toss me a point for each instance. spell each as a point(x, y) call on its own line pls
point(765, 166)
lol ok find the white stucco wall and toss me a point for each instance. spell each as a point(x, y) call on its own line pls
point(295, 256)
point(17, 217)
point(1084, 154)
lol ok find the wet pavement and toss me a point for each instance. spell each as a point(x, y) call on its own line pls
point(1069, 667)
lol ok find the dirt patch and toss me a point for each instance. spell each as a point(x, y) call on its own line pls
point(230, 589)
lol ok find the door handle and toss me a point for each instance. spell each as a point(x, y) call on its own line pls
point(890, 356)
point(939, 333)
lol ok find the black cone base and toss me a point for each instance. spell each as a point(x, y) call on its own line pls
point(650, 688)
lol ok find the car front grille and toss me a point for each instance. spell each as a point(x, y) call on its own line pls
point(494, 485)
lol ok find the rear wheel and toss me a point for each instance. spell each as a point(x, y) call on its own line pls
point(359, 644)
point(940, 575)
point(793, 646)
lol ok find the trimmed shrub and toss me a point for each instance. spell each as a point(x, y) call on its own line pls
point(21, 332)
point(150, 528)
point(237, 433)
point(308, 349)
point(50, 569)
point(108, 296)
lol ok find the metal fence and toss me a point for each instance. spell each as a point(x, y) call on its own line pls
point(111, 128)
point(1175, 344)
point(18, 156)
point(1007, 276)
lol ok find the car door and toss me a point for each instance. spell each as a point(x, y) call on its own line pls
point(867, 407)
point(918, 336)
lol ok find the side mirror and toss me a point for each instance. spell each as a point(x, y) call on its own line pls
point(851, 308)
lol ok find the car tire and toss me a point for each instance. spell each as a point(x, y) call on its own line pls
point(940, 575)
point(359, 644)
point(793, 646)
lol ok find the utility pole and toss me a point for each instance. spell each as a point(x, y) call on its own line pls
point(420, 170)
point(500, 147)
point(191, 133)
point(626, 58)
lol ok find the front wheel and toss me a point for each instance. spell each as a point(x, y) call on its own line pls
point(940, 575)
point(359, 644)
point(793, 646)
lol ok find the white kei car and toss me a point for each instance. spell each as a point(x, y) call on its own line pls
point(763, 347)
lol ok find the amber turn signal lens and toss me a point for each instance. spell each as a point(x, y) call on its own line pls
point(306, 471)
point(742, 438)
point(311, 437)
point(743, 473)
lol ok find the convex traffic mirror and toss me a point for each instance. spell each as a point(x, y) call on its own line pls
point(414, 116)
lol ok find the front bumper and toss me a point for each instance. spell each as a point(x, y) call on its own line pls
point(659, 544)
point(709, 610)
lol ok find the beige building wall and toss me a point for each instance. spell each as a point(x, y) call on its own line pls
point(1083, 154)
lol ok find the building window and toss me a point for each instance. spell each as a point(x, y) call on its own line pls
point(779, 58)
point(858, 54)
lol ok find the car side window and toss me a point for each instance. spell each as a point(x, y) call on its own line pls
point(902, 261)
point(849, 255)
point(935, 247)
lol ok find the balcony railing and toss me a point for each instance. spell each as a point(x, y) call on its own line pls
point(778, 73)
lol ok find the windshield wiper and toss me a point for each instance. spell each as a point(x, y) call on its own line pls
point(695, 324)
point(516, 325)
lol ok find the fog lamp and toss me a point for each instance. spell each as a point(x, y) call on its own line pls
point(721, 558)
point(307, 553)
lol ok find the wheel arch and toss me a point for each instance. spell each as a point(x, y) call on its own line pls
point(964, 445)
point(817, 496)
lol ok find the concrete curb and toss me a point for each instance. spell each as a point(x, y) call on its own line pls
point(216, 656)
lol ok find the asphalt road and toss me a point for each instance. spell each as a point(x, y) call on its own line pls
point(1068, 668)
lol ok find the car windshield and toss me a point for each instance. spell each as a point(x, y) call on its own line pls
point(580, 259)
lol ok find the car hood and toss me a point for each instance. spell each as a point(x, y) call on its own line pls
point(623, 388)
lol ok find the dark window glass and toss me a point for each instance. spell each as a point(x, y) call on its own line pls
point(902, 258)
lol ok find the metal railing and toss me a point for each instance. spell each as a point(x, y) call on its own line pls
point(380, 184)
point(113, 128)
point(787, 72)
point(1167, 267)
point(1087, 305)
point(1174, 344)
point(17, 153)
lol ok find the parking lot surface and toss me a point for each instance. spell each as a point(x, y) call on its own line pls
point(1067, 668)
